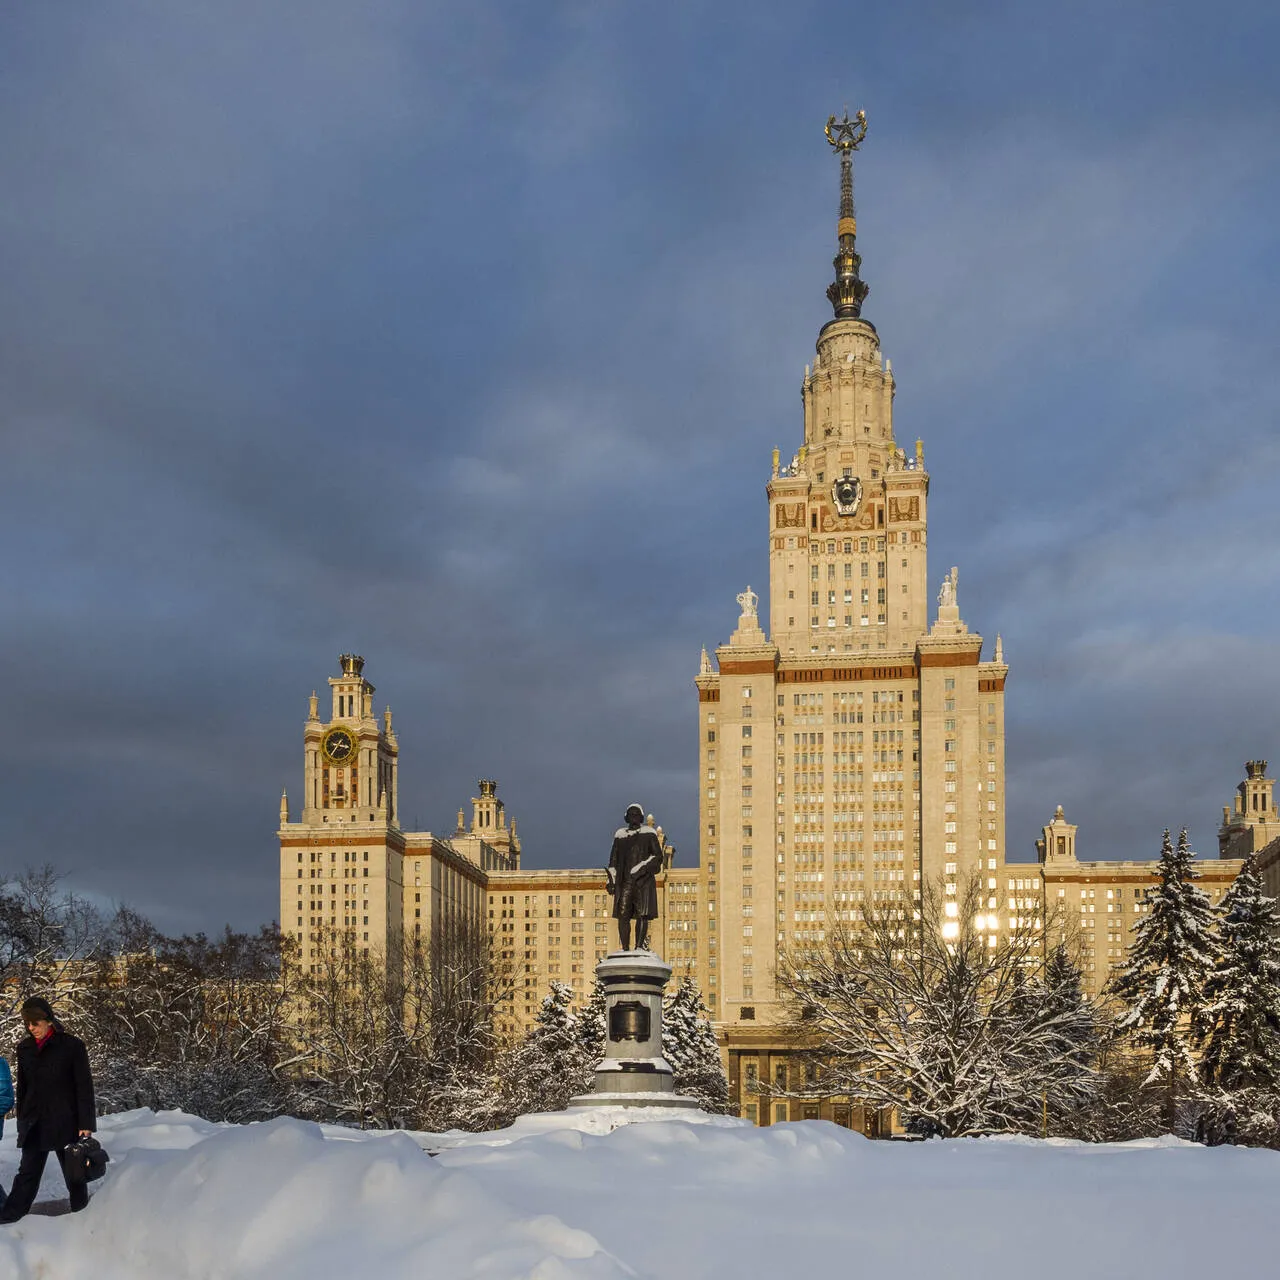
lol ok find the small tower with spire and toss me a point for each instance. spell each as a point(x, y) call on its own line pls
point(490, 841)
point(350, 760)
point(1057, 843)
point(1251, 822)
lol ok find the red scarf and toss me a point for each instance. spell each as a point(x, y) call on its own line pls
point(43, 1040)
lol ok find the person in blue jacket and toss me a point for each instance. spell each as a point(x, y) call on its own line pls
point(6, 1103)
point(6, 1091)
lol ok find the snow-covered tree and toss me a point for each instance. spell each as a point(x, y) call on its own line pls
point(590, 1029)
point(1072, 1030)
point(403, 1049)
point(1237, 1027)
point(52, 944)
point(1071, 1017)
point(554, 1028)
point(929, 1017)
point(196, 1023)
point(549, 1066)
point(689, 1044)
point(1161, 984)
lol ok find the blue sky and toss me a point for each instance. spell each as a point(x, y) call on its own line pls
point(460, 335)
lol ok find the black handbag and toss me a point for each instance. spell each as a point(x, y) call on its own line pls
point(88, 1157)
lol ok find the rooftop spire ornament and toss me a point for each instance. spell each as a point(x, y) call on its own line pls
point(847, 291)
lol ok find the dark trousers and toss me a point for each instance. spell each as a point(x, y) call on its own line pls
point(27, 1182)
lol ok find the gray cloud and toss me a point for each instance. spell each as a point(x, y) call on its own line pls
point(460, 337)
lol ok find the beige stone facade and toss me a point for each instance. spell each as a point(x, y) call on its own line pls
point(1095, 905)
point(1251, 825)
point(346, 864)
point(857, 749)
point(556, 925)
point(849, 754)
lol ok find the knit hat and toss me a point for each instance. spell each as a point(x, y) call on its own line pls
point(36, 1009)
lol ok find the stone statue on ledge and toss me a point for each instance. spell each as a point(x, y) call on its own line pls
point(631, 877)
point(949, 592)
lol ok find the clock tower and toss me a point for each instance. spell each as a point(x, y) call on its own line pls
point(350, 766)
point(342, 860)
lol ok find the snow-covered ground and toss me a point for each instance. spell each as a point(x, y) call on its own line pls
point(572, 1196)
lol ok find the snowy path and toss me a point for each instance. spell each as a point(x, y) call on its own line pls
point(186, 1199)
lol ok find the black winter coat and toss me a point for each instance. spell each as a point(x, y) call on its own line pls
point(55, 1092)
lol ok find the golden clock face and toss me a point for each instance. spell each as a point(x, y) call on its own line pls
point(339, 745)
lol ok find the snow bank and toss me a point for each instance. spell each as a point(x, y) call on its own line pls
point(586, 1120)
point(277, 1201)
point(578, 1195)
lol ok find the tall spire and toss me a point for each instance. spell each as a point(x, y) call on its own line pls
point(847, 291)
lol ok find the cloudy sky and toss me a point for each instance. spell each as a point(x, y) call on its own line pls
point(459, 335)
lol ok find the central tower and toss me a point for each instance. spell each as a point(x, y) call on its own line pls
point(849, 493)
point(855, 751)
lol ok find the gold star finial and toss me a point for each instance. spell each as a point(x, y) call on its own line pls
point(846, 135)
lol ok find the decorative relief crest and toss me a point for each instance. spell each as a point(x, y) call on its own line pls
point(846, 493)
point(790, 515)
point(904, 509)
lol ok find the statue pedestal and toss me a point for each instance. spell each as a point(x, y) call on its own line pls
point(633, 1072)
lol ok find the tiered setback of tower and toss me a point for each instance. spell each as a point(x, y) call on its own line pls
point(858, 751)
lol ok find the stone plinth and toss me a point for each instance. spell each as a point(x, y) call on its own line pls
point(633, 1072)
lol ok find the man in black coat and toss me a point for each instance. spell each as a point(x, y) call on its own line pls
point(634, 862)
point(54, 1107)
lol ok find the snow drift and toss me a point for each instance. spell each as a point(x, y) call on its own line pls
point(566, 1196)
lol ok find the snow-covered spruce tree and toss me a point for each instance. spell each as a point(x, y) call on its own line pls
point(1073, 1031)
point(1160, 986)
point(589, 1030)
point(549, 1066)
point(927, 1017)
point(1237, 1027)
point(689, 1044)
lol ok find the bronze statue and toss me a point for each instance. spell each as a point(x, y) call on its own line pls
point(631, 877)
